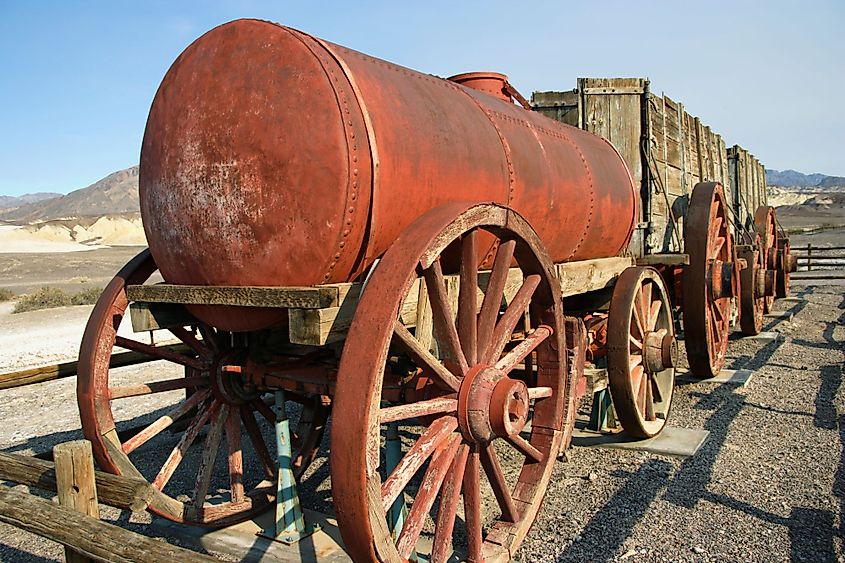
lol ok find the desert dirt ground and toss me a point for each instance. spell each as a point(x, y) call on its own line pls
point(70, 271)
point(768, 484)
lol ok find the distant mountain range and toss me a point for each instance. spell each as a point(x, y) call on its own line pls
point(115, 194)
point(10, 202)
point(791, 178)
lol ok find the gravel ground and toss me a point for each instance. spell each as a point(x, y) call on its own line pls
point(766, 486)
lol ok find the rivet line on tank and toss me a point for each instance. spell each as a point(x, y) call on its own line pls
point(592, 194)
point(505, 147)
point(343, 96)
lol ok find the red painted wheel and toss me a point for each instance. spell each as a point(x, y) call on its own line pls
point(766, 227)
point(475, 423)
point(752, 300)
point(641, 352)
point(709, 280)
point(193, 485)
point(783, 269)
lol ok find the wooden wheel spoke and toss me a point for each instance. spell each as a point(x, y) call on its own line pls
point(164, 422)
point(439, 405)
point(512, 315)
point(645, 306)
point(648, 413)
point(540, 392)
point(467, 298)
point(123, 392)
point(442, 314)
point(157, 352)
point(490, 463)
point(524, 447)
point(716, 225)
point(717, 247)
point(716, 327)
point(264, 410)
point(641, 394)
point(656, 391)
point(449, 497)
point(190, 340)
point(637, 344)
point(495, 291)
point(423, 358)
point(472, 506)
point(235, 456)
point(637, 373)
point(423, 448)
point(634, 361)
point(654, 314)
point(717, 312)
point(426, 495)
point(714, 209)
point(178, 453)
point(521, 350)
point(257, 440)
point(639, 323)
point(209, 337)
point(209, 455)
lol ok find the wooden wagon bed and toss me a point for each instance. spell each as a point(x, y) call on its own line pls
point(322, 314)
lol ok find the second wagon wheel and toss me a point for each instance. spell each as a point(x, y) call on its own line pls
point(213, 483)
point(764, 224)
point(641, 352)
point(783, 268)
point(752, 298)
point(708, 280)
point(476, 425)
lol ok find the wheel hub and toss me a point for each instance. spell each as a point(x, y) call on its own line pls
point(723, 279)
point(661, 351)
point(491, 405)
point(228, 383)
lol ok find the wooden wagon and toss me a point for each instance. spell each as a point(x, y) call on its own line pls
point(456, 284)
point(672, 155)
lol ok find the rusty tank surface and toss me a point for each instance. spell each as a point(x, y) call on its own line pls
point(275, 158)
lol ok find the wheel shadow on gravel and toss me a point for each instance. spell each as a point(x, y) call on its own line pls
point(611, 526)
point(600, 541)
point(811, 530)
point(831, 375)
point(689, 484)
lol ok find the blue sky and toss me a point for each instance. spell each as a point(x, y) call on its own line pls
point(78, 78)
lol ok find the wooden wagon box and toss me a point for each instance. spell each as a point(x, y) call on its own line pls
point(668, 151)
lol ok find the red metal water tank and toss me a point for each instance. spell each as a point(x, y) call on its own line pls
point(272, 157)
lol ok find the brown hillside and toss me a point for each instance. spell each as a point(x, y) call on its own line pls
point(114, 194)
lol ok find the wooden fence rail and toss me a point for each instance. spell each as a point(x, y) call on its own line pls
point(74, 522)
point(67, 369)
point(819, 258)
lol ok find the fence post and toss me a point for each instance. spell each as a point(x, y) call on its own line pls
point(76, 485)
point(809, 256)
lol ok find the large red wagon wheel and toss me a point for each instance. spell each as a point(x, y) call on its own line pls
point(764, 224)
point(709, 280)
point(641, 352)
point(752, 298)
point(188, 488)
point(476, 422)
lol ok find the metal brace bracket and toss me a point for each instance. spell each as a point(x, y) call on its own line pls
point(289, 525)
